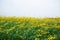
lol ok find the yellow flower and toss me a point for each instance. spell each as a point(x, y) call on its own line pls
point(17, 31)
point(39, 30)
point(51, 37)
point(0, 28)
point(46, 32)
point(37, 39)
point(7, 32)
point(11, 28)
point(57, 27)
point(38, 25)
point(39, 35)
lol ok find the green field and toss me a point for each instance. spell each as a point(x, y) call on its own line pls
point(29, 28)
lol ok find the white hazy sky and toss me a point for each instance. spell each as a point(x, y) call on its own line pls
point(34, 8)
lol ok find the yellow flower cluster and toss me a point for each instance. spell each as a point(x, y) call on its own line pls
point(37, 39)
point(51, 37)
point(29, 28)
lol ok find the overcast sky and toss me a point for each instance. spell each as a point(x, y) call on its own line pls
point(34, 8)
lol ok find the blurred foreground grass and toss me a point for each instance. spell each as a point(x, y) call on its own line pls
point(29, 28)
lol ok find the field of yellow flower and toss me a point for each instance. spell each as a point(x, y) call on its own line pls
point(29, 28)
